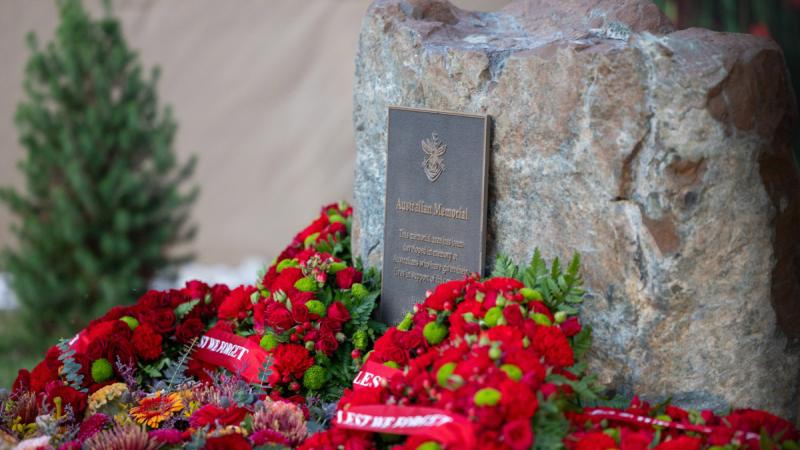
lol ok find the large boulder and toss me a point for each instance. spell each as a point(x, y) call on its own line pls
point(663, 156)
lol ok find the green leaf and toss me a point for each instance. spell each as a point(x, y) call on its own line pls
point(582, 342)
point(185, 308)
point(504, 267)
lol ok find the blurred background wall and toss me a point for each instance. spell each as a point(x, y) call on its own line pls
point(262, 93)
point(261, 90)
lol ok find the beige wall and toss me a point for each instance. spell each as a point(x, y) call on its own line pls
point(262, 93)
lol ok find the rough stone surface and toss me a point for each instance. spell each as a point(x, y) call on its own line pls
point(662, 156)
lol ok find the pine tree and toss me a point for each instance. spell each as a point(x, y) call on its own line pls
point(104, 201)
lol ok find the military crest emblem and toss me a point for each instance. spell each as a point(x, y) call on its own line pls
point(433, 163)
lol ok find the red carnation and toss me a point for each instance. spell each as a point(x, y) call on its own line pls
point(188, 330)
point(236, 305)
point(154, 300)
point(214, 415)
point(594, 441)
point(227, 442)
point(518, 435)
point(553, 345)
point(338, 312)
point(346, 277)
point(520, 402)
point(681, 443)
point(291, 359)
point(147, 342)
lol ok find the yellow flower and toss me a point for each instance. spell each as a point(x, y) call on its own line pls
point(105, 395)
point(156, 408)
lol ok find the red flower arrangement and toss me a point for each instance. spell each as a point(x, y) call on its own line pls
point(487, 355)
point(494, 363)
point(310, 311)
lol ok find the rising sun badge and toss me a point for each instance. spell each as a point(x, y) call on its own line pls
point(434, 150)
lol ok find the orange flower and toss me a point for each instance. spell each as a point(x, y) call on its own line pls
point(157, 408)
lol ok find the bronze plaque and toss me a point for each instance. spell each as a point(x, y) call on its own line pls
point(435, 224)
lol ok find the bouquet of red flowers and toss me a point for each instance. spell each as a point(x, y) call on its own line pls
point(478, 364)
point(299, 331)
point(641, 426)
point(135, 344)
point(311, 310)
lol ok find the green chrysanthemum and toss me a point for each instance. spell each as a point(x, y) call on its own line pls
point(360, 339)
point(268, 341)
point(101, 370)
point(434, 332)
point(487, 397)
point(305, 284)
point(314, 378)
point(359, 291)
point(316, 307)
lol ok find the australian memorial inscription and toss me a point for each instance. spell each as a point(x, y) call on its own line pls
point(435, 204)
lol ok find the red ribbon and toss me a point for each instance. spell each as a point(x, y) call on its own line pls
point(372, 375)
point(622, 416)
point(79, 342)
point(235, 353)
point(437, 424)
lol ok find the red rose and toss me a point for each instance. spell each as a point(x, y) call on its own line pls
point(328, 324)
point(444, 293)
point(286, 280)
point(200, 370)
point(300, 311)
point(502, 284)
point(219, 292)
point(681, 443)
point(214, 415)
point(278, 317)
point(147, 342)
point(51, 358)
point(188, 330)
point(594, 441)
point(291, 359)
point(346, 277)
point(70, 398)
point(327, 343)
point(154, 300)
point(120, 349)
point(162, 320)
point(227, 442)
point(517, 434)
point(195, 290)
point(315, 227)
point(513, 315)
point(338, 312)
point(41, 375)
point(22, 383)
point(571, 327)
